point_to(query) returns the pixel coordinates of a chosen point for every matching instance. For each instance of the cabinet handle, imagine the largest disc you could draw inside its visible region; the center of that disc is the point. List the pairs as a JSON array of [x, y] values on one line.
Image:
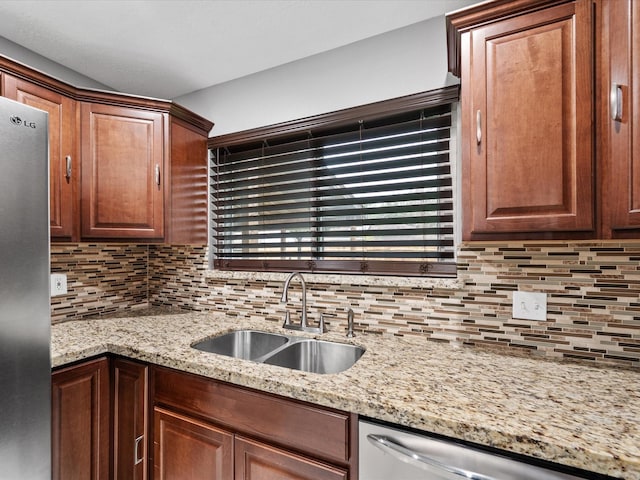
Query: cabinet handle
[[157, 174], [615, 99], [68, 172], [136, 448], [479, 127]]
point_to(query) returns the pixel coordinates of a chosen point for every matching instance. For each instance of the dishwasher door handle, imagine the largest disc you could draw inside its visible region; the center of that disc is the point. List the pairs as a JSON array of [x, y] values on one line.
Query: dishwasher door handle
[[399, 451]]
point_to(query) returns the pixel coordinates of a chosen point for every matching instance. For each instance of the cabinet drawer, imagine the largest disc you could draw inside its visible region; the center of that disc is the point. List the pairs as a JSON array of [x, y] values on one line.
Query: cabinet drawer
[[317, 431]]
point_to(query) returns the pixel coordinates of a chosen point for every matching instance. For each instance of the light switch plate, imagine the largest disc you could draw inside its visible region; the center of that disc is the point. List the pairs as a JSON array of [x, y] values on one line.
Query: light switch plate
[[530, 305], [58, 284]]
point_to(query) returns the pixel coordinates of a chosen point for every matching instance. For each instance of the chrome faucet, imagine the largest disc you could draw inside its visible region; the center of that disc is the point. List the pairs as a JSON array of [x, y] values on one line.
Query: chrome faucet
[[287, 319], [303, 326]]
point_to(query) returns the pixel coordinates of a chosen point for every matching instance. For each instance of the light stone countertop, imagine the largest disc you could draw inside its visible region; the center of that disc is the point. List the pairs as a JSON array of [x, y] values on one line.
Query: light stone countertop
[[569, 413]]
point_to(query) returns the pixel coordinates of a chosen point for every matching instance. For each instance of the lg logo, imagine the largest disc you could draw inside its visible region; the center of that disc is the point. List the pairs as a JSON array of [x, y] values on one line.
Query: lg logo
[[16, 120]]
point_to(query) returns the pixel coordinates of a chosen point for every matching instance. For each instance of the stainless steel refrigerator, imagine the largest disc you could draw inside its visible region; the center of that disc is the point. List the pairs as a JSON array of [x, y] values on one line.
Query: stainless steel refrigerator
[[25, 327]]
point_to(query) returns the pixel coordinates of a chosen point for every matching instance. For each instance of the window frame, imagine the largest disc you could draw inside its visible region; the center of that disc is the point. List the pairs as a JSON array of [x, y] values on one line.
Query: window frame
[[334, 120]]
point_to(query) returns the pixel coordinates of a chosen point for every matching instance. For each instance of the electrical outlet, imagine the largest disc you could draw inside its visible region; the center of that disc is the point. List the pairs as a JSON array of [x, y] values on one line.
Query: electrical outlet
[[58, 284], [530, 305]]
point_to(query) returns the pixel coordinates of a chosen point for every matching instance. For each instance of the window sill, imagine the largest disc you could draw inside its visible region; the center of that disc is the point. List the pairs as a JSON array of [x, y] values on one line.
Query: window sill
[[339, 279]]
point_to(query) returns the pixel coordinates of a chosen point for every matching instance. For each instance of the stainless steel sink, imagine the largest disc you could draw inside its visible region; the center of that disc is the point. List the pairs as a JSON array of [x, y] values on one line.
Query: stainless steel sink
[[245, 344], [299, 353], [317, 356]]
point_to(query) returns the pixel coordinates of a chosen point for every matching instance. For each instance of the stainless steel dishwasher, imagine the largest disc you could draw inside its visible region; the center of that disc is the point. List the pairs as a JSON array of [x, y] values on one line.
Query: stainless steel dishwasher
[[392, 454]]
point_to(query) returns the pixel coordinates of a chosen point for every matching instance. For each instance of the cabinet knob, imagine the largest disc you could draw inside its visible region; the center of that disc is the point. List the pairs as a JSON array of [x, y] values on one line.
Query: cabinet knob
[[157, 174], [615, 99], [479, 127]]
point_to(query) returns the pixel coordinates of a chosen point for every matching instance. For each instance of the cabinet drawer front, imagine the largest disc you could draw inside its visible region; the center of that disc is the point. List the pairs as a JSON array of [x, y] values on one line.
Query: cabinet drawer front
[[316, 431]]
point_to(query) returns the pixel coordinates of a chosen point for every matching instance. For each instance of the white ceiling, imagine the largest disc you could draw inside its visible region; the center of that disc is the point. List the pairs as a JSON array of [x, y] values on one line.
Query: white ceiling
[[167, 48]]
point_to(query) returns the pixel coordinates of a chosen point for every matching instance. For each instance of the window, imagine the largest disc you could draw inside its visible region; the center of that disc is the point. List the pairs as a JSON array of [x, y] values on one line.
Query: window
[[370, 192]]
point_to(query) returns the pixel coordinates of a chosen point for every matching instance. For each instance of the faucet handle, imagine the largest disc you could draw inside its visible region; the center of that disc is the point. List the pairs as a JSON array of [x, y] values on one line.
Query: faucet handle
[[287, 318], [322, 327]]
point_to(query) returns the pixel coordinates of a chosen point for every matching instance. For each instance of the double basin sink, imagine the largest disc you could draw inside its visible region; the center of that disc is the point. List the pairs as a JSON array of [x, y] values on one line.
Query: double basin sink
[[299, 353]]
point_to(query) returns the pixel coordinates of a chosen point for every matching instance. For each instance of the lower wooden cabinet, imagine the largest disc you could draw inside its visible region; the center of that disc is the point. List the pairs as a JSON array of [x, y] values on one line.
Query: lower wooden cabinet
[[188, 449], [130, 420], [198, 429], [259, 461], [80, 422], [273, 438]]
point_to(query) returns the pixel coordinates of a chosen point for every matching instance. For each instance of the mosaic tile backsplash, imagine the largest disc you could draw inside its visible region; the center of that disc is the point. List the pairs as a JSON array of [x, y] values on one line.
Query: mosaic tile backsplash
[[101, 279], [593, 295]]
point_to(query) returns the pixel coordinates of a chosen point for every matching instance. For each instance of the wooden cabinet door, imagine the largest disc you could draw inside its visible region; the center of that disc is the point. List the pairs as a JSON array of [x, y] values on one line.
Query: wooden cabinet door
[[527, 123], [258, 461], [620, 105], [130, 413], [188, 449], [63, 162], [122, 172], [189, 201], [80, 422]]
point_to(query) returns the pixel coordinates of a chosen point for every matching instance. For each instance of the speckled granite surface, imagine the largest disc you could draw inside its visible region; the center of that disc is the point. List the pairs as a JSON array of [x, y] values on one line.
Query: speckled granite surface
[[571, 414]]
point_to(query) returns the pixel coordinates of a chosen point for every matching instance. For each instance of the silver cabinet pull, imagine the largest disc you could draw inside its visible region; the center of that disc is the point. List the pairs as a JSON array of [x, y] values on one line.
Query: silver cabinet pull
[[478, 127], [388, 445], [136, 448], [157, 174], [68, 171], [615, 99]]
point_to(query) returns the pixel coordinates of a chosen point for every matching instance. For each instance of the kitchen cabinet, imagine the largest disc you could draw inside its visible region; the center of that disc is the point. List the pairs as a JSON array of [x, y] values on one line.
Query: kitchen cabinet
[[188, 179], [123, 168], [80, 438], [187, 448], [619, 99], [63, 156], [122, 172], [130, 419], [258, 461], [272, 437], [526, 72]]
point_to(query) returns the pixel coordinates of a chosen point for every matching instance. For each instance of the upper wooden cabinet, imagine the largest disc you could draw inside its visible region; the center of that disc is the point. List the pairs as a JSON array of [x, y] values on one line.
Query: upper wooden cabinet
[[63, 156], [122, 167], [188, 178], [619, 101], [122, 172], [527, 115]]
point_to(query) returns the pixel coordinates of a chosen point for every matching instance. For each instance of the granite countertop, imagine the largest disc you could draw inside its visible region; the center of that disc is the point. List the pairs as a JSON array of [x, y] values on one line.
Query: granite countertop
[[569, 413]]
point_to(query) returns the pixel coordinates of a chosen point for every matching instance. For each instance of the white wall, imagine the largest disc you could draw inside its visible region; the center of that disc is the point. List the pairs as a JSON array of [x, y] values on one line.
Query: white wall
[[51, 68], [401, 62]]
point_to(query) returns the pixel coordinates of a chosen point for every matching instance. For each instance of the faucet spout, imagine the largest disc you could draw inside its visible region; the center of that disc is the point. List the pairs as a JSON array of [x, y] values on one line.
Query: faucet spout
[[285, 297]]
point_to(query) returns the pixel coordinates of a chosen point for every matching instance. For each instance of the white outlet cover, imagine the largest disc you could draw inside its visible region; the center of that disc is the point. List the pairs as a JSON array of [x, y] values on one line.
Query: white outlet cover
[[58, 284], [530, 305]]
